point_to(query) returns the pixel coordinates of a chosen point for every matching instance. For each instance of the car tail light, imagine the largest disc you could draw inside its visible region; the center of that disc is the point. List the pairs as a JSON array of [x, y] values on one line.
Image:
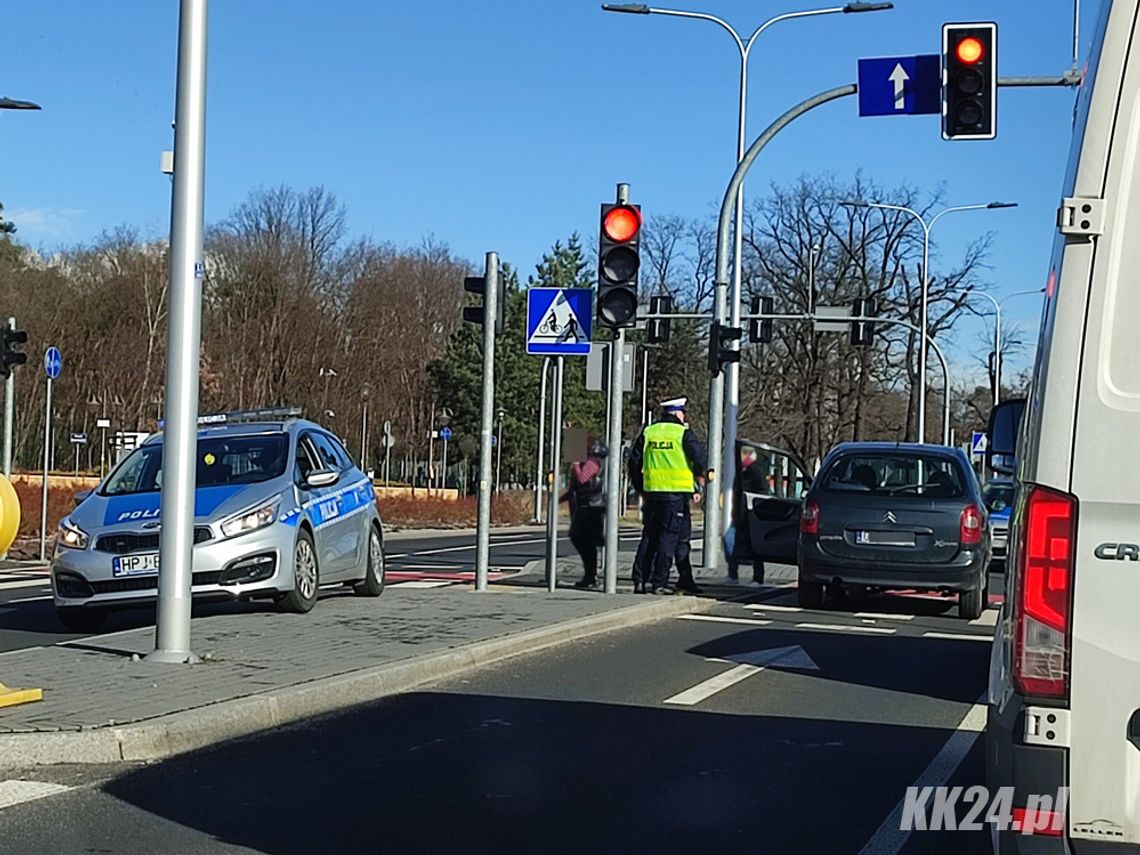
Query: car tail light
[[809, 518], [1044, 588], [970, 526]]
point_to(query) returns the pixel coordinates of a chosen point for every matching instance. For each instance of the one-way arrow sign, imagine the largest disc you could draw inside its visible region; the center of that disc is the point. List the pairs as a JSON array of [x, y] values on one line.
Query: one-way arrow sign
[[753, 662], [900, 85]]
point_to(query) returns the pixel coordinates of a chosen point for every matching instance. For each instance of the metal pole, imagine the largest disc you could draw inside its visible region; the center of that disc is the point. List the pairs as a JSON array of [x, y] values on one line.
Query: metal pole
[[486, 424], [712, 525], [539, 481], [431, 451], [364, 436], [499, 456], [645, 387], [44, 485], [387, 459], [443, 468], [77, 460], [187, 269], [922, 335], [997, 354], [555, 468], [613, 462], [9, 413], [102, 452]]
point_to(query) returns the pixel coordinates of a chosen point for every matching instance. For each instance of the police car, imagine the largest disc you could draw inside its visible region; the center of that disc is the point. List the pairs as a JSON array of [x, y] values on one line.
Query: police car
[[280, 510]]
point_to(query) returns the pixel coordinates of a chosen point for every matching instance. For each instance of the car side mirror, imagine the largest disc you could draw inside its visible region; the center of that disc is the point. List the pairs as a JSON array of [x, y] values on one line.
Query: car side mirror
[[81, 496], [322, 478], [1001, 436]]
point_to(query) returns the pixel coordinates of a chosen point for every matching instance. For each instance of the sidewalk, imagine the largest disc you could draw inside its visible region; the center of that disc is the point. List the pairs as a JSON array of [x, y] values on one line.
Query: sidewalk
[[570, 571], [262, 669]]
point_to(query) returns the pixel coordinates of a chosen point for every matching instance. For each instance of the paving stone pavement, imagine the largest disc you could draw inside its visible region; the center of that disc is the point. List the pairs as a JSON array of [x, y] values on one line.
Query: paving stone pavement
[[100, 681]]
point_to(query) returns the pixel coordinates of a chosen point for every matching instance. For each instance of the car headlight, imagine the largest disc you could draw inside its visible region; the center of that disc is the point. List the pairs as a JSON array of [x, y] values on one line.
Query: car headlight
[[71, 535], [251, 520]]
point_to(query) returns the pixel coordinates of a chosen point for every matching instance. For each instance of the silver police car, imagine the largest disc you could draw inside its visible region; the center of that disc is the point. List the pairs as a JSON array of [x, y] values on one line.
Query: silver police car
[[280, 510]]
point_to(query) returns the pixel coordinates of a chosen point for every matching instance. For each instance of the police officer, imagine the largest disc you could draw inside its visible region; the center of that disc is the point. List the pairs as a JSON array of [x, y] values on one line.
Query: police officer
[[666, 462]]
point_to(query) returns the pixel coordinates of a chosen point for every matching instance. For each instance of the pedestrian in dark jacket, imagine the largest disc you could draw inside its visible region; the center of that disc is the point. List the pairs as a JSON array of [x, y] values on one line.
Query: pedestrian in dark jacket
[[587, 498]]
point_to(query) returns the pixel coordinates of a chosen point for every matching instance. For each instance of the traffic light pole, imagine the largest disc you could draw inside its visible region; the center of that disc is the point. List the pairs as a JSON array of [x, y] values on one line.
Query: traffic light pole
[[9, 413], [487, 422], [187, 270]]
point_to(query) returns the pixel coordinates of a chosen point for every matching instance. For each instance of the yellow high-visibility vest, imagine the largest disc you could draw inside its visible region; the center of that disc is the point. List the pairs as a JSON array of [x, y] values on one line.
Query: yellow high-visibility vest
[[665, 468]]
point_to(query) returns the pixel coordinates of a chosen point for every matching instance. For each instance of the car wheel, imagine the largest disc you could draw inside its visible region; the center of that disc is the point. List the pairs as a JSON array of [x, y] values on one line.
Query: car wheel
[[809, 594], [373, 583], [81, 619], [971, 603], [306, 577]]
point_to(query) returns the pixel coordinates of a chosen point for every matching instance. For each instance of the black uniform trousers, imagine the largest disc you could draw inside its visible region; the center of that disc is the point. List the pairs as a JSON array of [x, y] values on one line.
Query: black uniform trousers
[[668, 528]]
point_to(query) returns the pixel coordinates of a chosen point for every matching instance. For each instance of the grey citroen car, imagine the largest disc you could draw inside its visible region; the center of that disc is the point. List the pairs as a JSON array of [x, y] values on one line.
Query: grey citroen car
[[280, 510], [895, 516]]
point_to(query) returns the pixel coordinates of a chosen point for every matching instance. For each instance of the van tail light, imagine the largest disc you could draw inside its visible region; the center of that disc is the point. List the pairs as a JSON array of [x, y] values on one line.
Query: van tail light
[[970, 526], [1043, 606], [809, 518]]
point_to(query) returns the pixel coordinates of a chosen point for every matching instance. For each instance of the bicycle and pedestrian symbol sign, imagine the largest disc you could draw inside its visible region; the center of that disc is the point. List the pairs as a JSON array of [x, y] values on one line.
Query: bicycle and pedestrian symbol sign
[[558, 321]]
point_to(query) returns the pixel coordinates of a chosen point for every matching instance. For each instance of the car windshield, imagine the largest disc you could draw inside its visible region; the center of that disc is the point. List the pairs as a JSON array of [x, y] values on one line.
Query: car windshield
[[221, 460], [997, 495], [896, 475]]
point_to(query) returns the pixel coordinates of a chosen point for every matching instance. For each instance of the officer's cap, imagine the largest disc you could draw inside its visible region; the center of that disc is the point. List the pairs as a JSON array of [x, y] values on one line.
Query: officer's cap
[[674, 404]]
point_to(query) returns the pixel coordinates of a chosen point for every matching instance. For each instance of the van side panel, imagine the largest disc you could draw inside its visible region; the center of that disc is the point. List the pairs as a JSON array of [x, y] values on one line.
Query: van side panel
[[1105, 660]]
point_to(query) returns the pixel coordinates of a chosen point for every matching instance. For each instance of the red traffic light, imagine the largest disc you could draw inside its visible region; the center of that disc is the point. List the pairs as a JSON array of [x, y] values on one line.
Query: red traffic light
[[621, 224], [970, 50]]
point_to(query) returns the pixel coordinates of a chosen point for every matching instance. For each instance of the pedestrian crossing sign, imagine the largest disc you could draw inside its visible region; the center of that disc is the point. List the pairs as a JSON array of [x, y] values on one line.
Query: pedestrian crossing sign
[[558, 321]]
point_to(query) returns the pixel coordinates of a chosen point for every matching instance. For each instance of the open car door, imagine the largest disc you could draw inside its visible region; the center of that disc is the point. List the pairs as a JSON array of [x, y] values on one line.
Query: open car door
[[769, 490]]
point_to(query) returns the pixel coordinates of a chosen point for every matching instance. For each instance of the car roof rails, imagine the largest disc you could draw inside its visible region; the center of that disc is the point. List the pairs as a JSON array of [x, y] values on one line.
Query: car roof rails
[[265, 414]]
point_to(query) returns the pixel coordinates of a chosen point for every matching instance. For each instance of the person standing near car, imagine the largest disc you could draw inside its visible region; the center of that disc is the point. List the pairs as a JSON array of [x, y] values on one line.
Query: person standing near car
[[666, 465], [587, 498]]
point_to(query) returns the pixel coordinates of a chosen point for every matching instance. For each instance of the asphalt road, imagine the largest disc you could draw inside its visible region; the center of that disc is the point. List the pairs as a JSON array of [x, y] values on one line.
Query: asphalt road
[[27, 617], [669, 738]]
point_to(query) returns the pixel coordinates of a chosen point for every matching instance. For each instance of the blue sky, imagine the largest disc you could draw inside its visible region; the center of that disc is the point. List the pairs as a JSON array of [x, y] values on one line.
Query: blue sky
[[501, 125]]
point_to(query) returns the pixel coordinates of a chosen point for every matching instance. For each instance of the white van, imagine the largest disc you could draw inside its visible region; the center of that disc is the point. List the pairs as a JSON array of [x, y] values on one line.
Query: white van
[[1064, 689]]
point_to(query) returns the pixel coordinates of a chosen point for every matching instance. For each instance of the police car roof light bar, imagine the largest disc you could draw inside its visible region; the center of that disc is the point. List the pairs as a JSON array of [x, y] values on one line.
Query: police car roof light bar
[[266, 414]]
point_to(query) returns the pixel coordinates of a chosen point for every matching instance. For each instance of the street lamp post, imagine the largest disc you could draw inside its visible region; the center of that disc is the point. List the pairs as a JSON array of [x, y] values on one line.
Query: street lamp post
[[10, 383], [927, 227], [997, 330], [722, 434]]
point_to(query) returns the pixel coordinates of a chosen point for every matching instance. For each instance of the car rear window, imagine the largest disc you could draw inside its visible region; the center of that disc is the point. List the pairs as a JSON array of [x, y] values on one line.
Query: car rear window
[[998, 495], [896, 475], [221, 460]]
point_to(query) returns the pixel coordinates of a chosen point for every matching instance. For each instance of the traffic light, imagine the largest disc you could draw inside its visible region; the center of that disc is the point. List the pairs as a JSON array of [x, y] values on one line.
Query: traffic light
[[619, 258], [657, 330], [478, 285], [863, 332], [760, 329], [10, 357], [721, 337], [969, 81]]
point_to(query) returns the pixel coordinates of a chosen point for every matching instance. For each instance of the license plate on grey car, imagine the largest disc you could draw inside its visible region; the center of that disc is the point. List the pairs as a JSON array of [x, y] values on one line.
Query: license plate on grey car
[[884, 538], [135, 565]]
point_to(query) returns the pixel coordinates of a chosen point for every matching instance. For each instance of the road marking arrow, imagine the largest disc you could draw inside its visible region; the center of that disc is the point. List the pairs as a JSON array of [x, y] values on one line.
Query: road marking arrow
[[749, 663], [899, 77]]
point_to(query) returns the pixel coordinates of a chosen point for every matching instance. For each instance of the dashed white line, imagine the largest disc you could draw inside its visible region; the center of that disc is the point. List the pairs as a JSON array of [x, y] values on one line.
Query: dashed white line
[[883, 616], [25, 583], [720, 619], [890, 837], [989, 618], [768, 607], [957, 636], [840, 627], [421, 583], [18, 792]]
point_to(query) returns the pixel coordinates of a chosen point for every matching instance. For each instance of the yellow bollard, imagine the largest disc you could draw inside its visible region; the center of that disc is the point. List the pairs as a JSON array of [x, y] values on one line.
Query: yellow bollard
[[12, 697], [9, 514]]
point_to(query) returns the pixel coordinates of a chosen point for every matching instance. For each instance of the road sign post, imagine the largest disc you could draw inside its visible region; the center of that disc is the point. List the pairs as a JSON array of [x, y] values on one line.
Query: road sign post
[[553, 478], [486, 425], [184, 322], [53, 364], [444, 434], [9, 412], [387, 452]]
